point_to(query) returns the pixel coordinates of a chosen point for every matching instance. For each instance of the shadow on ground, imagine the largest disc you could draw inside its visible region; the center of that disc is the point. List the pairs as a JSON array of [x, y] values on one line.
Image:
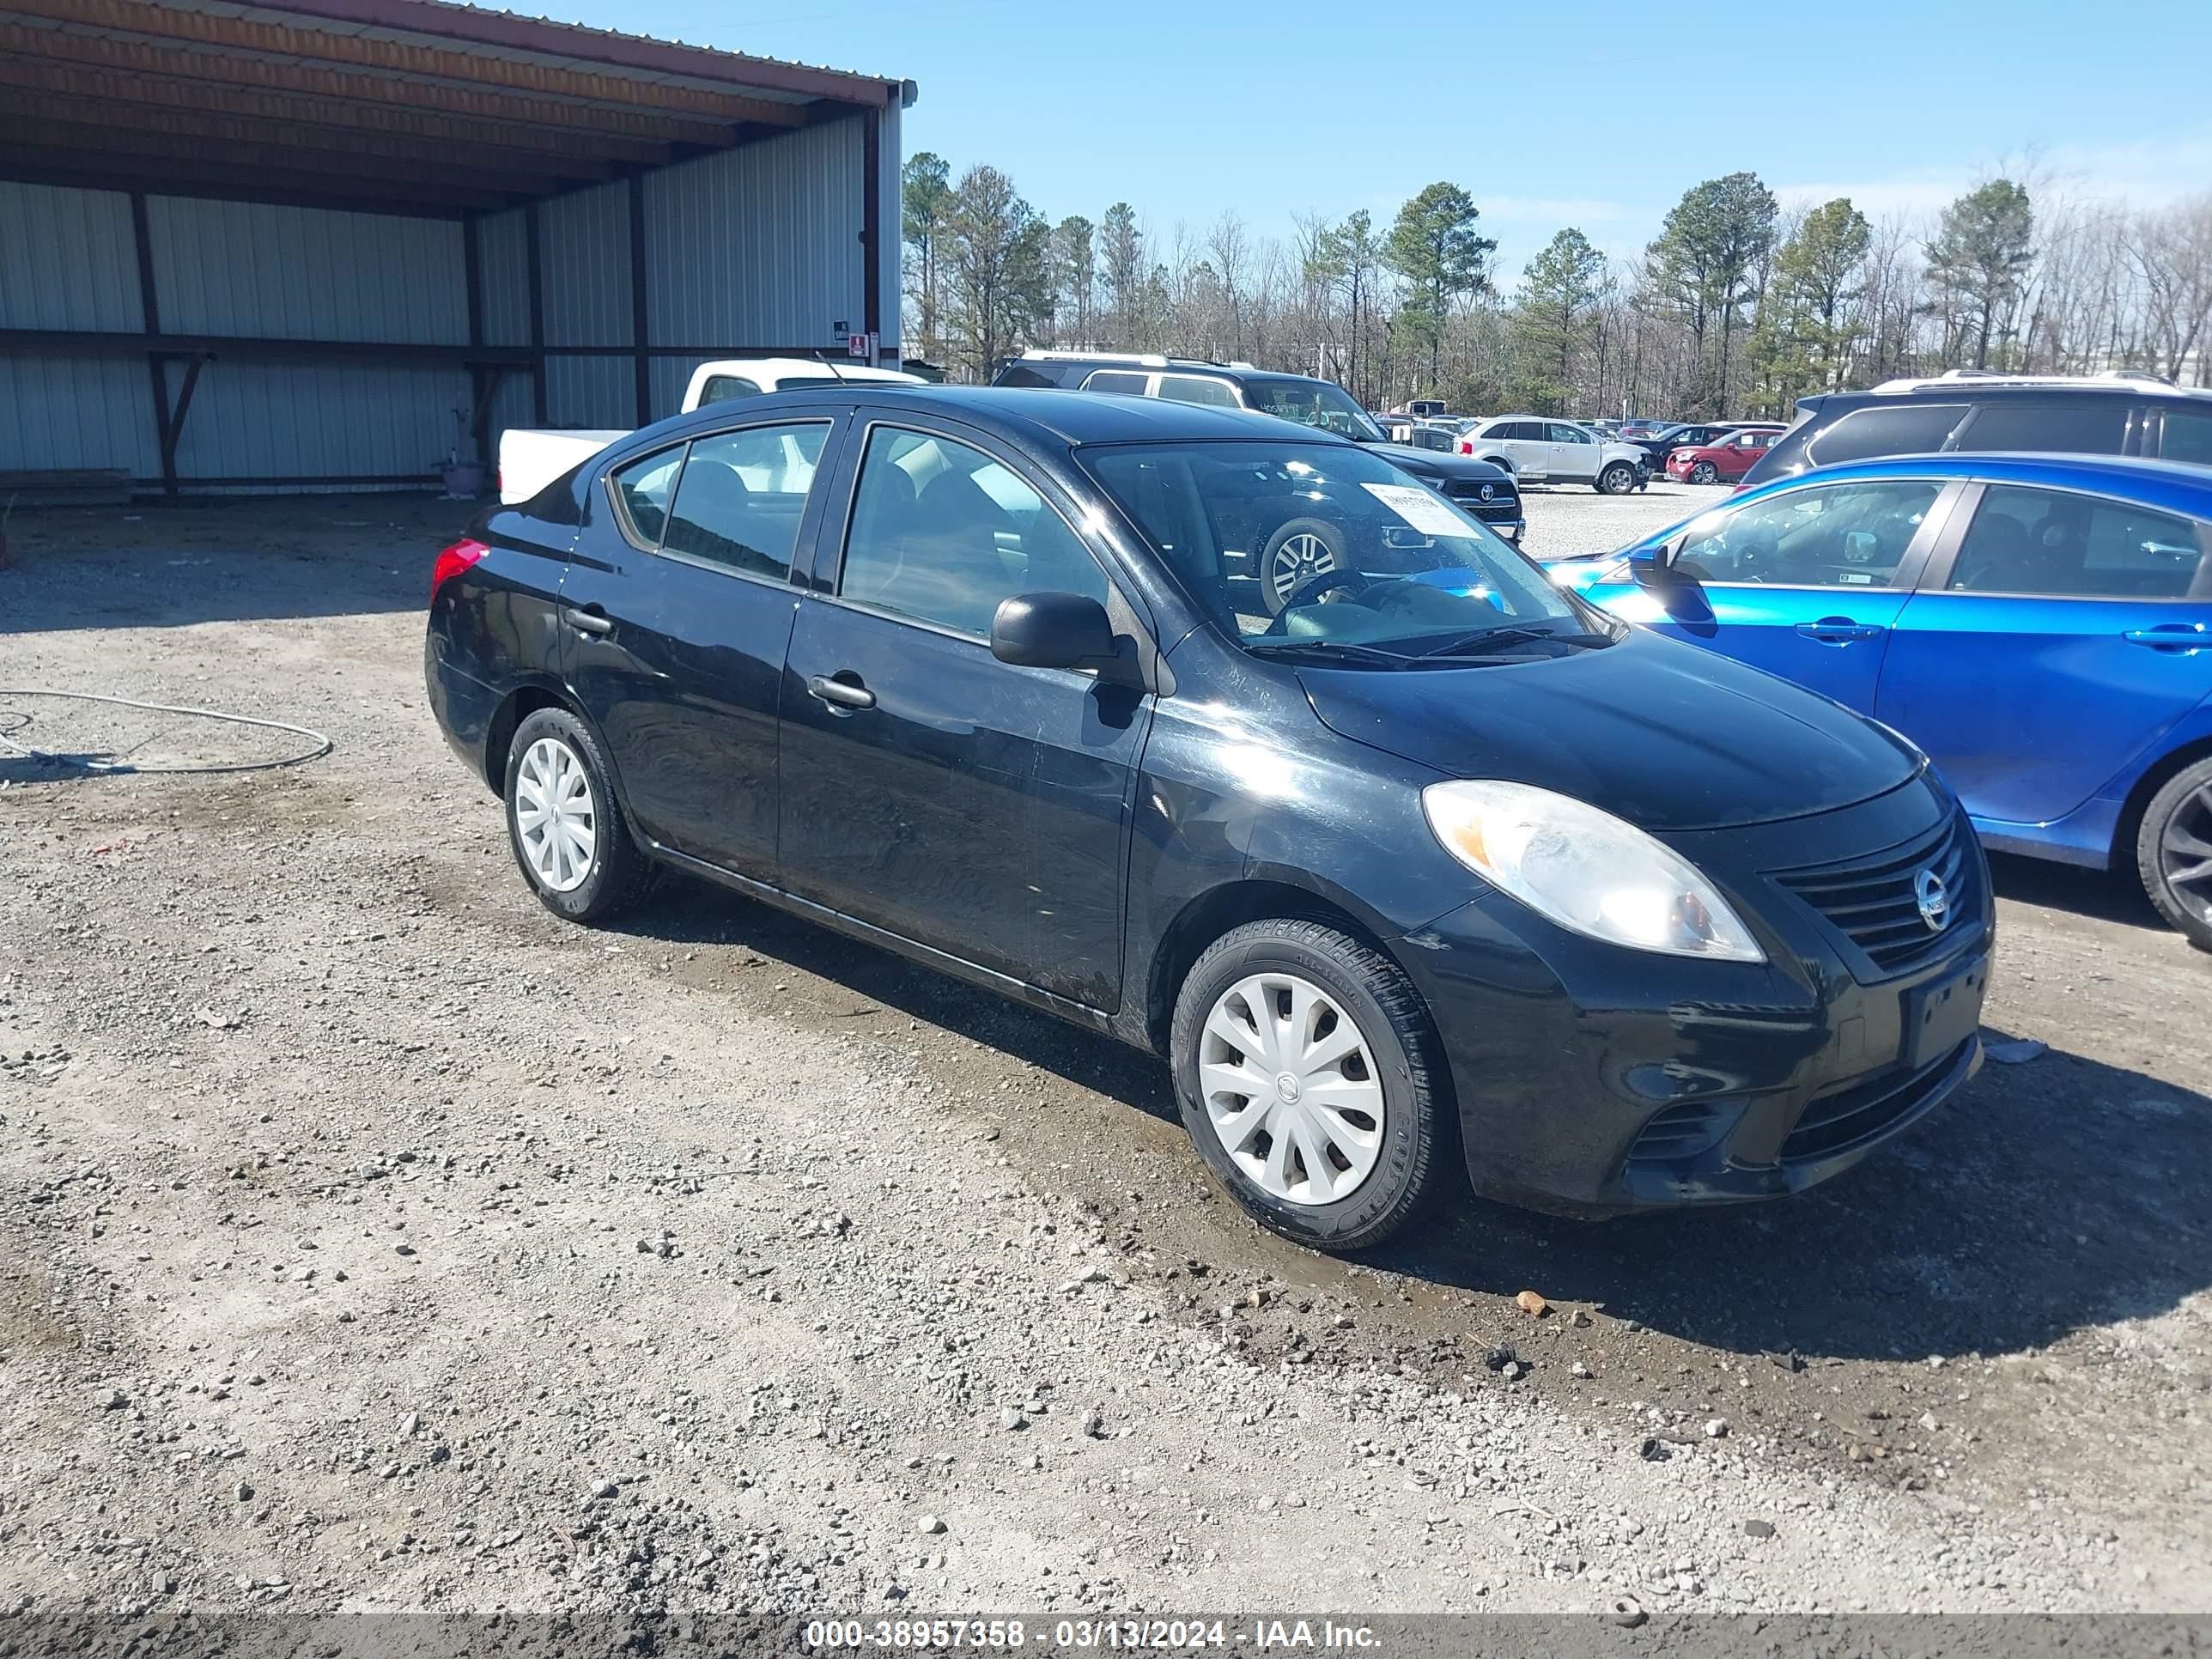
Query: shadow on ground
[[2046, 1197], [167, 565], [2104, 894]]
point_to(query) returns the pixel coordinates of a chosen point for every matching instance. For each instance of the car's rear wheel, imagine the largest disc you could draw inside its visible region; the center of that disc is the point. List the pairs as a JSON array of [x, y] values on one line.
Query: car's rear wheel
[[2173, 852], [1617, 479], [1301, 551], [565, 823], [1704, 472], [1310, 1078]]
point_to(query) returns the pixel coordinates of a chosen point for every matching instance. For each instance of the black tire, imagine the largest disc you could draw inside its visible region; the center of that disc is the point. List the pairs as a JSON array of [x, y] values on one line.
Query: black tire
[[618, 872], [1618, 479], [1419, 1127], [1704, 472], [1326, 553], [2176, 822]]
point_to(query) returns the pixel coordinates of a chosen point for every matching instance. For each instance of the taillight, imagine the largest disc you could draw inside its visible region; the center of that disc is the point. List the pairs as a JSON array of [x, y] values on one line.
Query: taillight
[[454, 560], [1466, 446]]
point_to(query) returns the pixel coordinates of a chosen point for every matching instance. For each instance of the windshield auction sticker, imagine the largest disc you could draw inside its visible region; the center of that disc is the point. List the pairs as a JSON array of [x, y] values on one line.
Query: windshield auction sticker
[[1419, 509]]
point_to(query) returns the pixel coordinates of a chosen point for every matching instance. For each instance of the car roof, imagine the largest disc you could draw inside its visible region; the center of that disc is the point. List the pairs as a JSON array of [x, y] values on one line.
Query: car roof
[[2178, 486], [1975, 389], [1075, 418]]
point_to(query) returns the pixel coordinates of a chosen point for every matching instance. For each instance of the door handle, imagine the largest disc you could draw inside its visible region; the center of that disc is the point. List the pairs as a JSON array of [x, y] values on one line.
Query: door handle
[[1838, 630], [2185, 637], [587, 621], [840, 693]]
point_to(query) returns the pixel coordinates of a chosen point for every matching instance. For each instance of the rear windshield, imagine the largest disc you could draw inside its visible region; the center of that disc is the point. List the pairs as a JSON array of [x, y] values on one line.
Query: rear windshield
[[1313, 403], [1293, 545]]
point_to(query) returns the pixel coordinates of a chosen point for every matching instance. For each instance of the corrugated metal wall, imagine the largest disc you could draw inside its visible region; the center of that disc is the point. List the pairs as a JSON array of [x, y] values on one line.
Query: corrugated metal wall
[[750, 249], [762, 243], [302, 273]]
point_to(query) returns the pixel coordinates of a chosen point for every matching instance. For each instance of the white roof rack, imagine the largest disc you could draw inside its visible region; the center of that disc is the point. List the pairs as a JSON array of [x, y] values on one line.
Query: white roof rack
[[1951, 377], [1142, 359]]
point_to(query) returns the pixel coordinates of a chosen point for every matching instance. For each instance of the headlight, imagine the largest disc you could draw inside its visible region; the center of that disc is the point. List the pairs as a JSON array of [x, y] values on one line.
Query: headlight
[[1586, 870]]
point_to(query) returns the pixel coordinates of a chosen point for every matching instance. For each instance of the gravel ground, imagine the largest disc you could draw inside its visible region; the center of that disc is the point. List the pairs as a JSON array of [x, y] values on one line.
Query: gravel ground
[[374, 1241]]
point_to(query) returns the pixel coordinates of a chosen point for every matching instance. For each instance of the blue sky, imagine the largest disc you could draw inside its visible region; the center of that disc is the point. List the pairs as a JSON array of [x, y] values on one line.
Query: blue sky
[[1549, 115]]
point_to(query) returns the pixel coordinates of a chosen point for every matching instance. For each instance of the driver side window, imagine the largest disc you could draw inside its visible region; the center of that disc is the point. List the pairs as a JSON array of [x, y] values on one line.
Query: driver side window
[[1851, 535]]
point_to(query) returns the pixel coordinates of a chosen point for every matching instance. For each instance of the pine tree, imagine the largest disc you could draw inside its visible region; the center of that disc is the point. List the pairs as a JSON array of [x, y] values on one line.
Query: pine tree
[[1981, 257], [1434, 246], [1558, 295]]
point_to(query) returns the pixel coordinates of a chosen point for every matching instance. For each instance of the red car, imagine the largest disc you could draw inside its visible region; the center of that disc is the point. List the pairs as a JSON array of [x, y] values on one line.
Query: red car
[[1725, 460]]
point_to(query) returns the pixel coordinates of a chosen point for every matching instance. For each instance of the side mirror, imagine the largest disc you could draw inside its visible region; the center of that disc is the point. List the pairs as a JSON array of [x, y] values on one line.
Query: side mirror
[[1055, 631], [1650, 565]]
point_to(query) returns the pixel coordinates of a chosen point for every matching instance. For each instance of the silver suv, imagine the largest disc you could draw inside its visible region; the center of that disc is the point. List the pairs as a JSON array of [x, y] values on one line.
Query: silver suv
[[1536, 449]]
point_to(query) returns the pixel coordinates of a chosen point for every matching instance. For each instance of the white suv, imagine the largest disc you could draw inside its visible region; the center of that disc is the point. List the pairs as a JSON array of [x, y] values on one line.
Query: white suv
[[1536, 449]]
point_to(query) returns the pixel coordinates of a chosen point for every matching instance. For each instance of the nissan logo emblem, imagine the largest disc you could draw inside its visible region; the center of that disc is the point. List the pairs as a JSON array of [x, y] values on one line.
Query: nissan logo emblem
[[1935, 902]]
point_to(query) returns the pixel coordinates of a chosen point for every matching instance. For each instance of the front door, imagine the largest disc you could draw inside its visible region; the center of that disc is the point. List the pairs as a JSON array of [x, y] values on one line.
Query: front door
[[929, 789], [679, 605], [1573, 455], [1806, 584], [2057, 642]]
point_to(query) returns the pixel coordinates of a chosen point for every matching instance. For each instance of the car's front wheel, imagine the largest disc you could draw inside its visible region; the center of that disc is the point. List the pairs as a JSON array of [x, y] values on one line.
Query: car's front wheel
[[1311, 1080], [1617, 479], [1704, 472], [2173, 852], [563, 823]]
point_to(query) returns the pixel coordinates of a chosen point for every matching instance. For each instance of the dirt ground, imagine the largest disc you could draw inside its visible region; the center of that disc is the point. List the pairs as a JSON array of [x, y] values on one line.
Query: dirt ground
[[373, 1240]]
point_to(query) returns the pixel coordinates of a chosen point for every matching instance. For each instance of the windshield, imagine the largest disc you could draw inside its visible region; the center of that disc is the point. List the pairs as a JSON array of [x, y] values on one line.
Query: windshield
[[1313, 403], [1326, 550]]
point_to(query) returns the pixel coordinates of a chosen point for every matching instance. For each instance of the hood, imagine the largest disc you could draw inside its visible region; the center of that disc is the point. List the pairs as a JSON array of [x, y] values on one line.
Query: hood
[[1436, 463], [1666, 735]]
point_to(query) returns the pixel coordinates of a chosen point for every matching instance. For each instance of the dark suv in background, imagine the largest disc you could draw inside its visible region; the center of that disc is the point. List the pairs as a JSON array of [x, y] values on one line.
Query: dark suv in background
[[2121, 413], [1487, 491]]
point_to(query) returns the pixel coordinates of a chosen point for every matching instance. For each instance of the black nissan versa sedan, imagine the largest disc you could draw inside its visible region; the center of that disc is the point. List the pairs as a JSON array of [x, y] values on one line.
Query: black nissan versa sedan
[[1433, 863]]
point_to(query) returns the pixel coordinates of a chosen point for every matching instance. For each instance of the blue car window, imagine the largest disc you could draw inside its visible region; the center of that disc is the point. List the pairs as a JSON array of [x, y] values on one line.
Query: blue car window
[[1843, 535], [2051, 542]]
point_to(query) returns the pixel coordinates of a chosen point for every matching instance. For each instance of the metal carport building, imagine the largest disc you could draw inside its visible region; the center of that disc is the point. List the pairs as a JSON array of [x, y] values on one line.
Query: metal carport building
[[321, 245]]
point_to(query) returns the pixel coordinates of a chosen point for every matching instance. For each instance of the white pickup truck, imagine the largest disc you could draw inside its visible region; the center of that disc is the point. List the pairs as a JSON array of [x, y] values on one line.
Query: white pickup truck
[[529, 459]]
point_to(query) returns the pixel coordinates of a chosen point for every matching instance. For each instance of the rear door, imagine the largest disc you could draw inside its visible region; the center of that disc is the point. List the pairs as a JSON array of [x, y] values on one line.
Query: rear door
[[2055, 639], [929, 789], [678, 610], [1806, 584]]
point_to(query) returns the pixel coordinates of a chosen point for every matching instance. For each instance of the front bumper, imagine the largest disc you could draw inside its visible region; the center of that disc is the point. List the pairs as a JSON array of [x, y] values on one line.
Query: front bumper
[[1593, 1080]]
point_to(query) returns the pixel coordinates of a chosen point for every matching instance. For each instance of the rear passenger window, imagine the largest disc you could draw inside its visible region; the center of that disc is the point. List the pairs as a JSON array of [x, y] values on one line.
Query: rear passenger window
[[741, 497], [943, 532], [1115, 379], [2074, 426], [1195, 389], [726, 388], [2047, 542], [645, 487], [1903, 429], [2188, 436]]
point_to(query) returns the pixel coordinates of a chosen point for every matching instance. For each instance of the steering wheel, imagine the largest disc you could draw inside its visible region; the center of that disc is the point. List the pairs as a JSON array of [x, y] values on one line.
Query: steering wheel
[[1324, 582]]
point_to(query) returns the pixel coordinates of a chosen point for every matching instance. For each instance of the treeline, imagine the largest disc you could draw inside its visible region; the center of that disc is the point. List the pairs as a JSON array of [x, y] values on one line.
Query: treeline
[[1738, 308]]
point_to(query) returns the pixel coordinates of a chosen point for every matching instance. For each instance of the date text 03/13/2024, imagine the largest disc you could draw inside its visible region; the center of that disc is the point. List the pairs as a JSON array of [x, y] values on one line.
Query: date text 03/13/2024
[[940, 1635]]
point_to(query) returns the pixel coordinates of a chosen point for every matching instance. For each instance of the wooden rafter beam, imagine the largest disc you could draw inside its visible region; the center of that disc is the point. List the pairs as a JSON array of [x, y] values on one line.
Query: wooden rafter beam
[[106, 90], [31, 42], [234, 34], [231, 143]]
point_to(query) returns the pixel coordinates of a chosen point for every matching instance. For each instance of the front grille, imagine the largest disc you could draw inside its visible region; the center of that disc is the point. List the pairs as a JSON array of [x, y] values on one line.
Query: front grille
[[1504, 501], [1860, 1112], [1875, 902]]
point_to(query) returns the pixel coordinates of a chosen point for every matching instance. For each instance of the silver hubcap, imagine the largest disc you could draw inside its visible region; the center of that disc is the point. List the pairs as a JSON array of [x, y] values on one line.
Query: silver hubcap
[[555, 816], [2185, 852], [1290, 1089], [1297, 561]]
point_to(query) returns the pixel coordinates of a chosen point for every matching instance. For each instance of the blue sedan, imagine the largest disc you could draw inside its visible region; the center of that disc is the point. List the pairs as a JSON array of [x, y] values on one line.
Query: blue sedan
[[2040, 624]]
